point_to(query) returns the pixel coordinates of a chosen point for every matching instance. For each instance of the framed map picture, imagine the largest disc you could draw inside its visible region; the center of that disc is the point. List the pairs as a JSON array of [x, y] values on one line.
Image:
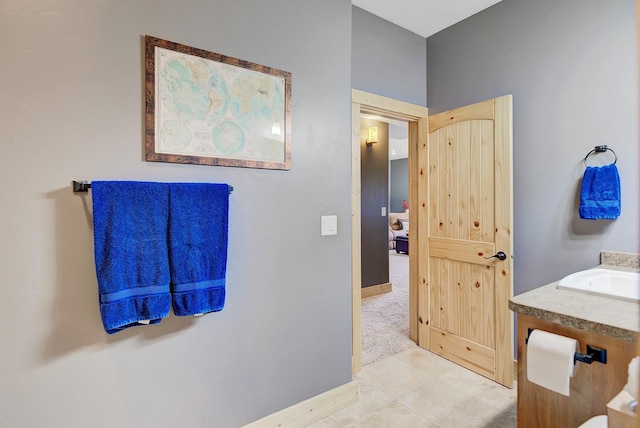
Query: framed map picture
[[211, 109]]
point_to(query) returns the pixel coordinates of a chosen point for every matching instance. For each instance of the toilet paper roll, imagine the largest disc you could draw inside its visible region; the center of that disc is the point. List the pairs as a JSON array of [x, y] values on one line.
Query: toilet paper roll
[[632, 377], [550, 360]]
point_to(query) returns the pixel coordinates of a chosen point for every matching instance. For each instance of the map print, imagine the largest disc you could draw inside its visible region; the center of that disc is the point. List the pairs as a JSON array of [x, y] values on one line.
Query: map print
[[212, 109]]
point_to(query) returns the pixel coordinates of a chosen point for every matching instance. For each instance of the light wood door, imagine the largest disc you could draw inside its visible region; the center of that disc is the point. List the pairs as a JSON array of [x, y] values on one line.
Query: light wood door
[[466, 195]]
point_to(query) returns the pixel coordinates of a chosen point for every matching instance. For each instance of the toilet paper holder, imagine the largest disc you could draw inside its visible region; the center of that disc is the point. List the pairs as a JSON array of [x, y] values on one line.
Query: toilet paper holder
[[599, 355]]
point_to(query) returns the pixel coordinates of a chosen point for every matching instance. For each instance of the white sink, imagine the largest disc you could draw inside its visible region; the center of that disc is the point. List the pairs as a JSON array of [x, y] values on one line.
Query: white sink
[[616, 284]]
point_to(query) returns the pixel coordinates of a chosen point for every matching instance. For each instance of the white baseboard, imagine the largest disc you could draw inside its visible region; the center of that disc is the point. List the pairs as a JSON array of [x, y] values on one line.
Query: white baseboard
[[311, 410]]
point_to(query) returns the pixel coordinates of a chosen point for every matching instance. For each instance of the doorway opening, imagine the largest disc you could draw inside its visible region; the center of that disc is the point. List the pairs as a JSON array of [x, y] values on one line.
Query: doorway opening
[[416, 118], [385, 229]]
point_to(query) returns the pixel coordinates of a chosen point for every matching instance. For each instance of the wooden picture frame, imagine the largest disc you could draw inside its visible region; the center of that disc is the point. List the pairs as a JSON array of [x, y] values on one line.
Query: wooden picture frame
[[211, 109]]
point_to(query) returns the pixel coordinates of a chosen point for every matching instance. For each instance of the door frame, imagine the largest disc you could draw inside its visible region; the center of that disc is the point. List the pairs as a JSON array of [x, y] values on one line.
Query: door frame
[[418, 122]]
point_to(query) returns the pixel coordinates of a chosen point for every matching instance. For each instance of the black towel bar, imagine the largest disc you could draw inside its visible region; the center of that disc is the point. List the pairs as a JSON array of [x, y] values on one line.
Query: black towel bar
[[81, 186], [600, 149], [84, 186]]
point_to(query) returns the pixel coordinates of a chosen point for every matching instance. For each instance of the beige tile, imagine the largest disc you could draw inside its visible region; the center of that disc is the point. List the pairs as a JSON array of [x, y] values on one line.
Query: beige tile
[[393, 415], [505, 417], [393, 376], [451, 404], [454, 374], [369, 399], [327, 422], [479, 386], [492, 392], [427, 361], [416, 388]]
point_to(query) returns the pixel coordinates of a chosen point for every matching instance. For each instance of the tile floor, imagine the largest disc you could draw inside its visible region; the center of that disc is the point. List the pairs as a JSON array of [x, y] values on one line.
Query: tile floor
[[416, 389]]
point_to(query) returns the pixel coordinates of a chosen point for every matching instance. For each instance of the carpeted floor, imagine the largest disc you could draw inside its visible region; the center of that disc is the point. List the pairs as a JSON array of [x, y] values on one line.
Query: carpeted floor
[[385, 317]]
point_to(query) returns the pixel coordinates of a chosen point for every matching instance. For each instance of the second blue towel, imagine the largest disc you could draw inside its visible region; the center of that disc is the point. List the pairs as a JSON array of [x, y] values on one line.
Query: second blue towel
[[198, 228]]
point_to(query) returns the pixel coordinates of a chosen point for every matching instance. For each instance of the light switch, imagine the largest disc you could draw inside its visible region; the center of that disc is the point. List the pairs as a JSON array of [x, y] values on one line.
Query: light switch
[[383, 211], [328, 225]]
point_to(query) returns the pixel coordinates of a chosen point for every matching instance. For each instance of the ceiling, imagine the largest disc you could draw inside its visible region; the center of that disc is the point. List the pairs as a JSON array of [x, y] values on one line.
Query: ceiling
[[424, 17]]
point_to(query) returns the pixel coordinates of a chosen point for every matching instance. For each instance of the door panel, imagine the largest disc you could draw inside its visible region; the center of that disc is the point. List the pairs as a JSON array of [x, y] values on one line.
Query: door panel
[[462, 351], [469, 218], [464, 250]]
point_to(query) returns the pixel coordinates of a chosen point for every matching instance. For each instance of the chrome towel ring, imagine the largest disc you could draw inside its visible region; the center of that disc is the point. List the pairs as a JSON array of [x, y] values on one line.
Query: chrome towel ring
[[600, 149]]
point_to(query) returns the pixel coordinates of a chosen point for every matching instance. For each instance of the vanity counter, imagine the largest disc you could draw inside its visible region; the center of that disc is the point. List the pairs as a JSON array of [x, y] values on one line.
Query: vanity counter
[[606, 316]]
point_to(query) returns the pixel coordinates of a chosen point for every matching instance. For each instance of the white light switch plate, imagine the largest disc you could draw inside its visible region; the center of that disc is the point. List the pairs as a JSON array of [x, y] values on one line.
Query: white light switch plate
[[328, 225], [383, 211]]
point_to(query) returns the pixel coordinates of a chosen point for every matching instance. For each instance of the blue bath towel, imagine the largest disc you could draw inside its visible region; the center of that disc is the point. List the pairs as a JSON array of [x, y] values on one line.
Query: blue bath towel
[[130, 242], [600, 193], [198, 228]]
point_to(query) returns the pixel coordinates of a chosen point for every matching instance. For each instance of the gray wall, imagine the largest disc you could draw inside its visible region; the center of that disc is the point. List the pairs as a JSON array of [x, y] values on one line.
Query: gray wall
[[374, 194], [398, 184], [571, 66], [388, 60], [71, 107]]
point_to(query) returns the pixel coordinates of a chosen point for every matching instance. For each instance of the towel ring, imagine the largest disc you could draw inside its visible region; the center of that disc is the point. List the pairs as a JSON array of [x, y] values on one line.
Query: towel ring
[[600, 149]]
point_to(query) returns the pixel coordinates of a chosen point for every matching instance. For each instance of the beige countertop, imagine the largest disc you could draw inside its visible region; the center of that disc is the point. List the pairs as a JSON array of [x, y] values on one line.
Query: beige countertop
[[609, 317]]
